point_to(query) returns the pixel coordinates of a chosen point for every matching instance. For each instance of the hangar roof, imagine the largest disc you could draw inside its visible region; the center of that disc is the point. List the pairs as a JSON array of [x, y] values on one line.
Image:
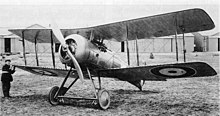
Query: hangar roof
[[216, 34], [4, 31], [36, 26]]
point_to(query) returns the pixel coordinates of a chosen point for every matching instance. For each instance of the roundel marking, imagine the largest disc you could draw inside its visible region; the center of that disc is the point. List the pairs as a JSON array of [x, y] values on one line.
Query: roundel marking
[[173, 71], [44, 72]]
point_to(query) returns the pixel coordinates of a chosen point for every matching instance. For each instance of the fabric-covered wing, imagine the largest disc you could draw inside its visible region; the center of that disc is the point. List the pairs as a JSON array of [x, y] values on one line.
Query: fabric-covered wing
[[45, 35], [41, 35], [160, 72], [191, 20], [47, 71]]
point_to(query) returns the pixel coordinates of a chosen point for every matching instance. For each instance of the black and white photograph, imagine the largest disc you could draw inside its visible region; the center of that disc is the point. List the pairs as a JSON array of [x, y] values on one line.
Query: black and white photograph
[[109, 58]]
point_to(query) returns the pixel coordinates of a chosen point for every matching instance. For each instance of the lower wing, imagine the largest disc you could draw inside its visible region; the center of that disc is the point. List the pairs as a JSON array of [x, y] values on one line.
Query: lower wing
[[134, 75], [160, 72], [57, 72]]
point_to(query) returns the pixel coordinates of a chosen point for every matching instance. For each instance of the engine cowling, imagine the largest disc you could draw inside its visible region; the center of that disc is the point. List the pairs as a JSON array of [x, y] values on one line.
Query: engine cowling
[[77, 45]]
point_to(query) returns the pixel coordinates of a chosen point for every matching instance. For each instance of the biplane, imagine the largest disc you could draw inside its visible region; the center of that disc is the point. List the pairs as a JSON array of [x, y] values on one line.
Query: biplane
[[83, 50]]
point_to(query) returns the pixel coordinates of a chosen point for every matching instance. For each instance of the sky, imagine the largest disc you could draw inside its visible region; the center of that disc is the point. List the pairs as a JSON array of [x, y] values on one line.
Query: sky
[[84, 13]]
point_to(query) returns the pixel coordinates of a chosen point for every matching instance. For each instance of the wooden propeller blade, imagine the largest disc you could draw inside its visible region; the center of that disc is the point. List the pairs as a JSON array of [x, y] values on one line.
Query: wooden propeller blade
[[76, 64]]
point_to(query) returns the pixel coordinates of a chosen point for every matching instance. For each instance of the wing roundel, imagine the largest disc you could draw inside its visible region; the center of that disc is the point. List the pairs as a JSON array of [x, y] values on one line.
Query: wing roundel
[[160, 72]]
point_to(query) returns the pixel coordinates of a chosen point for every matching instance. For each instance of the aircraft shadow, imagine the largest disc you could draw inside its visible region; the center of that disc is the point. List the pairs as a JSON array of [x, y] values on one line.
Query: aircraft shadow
[[118, 97], [28, 97], [144, 92], [42, 99]]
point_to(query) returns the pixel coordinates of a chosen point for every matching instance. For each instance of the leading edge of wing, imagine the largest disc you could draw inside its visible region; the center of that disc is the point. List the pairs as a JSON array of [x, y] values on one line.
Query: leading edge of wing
[[160, 72], [46, 71]]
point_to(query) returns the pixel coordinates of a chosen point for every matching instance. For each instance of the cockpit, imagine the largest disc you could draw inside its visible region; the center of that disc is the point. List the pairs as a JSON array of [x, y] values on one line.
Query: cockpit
[[99, 43]]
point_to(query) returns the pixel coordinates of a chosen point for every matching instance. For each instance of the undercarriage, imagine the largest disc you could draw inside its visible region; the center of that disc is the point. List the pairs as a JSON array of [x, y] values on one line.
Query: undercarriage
[[101, 96]]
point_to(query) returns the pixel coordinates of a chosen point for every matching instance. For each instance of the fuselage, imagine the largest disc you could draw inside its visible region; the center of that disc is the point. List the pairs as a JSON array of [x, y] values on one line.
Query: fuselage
[[90, 53]]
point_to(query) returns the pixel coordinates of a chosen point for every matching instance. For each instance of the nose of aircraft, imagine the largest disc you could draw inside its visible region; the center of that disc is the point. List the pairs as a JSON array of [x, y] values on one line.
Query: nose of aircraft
[[61, 39]]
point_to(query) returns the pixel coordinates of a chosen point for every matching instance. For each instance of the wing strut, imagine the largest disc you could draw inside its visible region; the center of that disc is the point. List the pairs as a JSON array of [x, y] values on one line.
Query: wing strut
[[35, 46], [184, 47], [23, 44], [176, 38], [91, 36], [128, 56], [52, 50], [137, 50]]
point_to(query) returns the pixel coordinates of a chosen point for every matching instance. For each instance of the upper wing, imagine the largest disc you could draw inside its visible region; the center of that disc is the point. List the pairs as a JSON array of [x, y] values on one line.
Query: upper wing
[[41, 35], [191, 20], [160, 72]]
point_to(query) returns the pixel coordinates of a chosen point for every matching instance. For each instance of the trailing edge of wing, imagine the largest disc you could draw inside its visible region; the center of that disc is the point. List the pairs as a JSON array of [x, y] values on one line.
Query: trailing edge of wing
[[192, 20], [160, 72]]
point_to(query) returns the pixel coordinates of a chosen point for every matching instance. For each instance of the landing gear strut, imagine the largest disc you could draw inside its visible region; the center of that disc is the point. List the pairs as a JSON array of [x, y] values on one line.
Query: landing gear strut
[[102, 96]]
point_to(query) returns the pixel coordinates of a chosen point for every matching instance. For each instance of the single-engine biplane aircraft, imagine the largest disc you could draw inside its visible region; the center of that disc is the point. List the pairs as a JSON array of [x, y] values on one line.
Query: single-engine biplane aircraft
[[83, 50]]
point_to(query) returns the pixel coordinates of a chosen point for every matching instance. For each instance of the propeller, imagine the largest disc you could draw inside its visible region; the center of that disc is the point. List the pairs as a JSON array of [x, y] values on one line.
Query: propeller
[[61, 39]]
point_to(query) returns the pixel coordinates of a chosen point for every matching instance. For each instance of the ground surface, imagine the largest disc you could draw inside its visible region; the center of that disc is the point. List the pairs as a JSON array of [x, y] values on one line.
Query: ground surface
[[190, 96]]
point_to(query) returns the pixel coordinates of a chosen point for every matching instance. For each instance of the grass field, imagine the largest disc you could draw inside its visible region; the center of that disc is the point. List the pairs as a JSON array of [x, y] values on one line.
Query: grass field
[[190, 96]]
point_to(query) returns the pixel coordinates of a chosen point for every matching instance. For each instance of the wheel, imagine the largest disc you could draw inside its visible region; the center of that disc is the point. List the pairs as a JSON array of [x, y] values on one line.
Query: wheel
[[103, 99], [52, 93]]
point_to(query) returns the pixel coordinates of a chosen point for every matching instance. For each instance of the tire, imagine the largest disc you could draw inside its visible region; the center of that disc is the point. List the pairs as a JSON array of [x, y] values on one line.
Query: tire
[[103, 99], [53, 101]]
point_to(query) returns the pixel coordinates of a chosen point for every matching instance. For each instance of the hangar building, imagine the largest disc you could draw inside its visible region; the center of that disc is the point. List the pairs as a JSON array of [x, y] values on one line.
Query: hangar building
[[11, 44], [160, 45], [214, 42], [207, 43]]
